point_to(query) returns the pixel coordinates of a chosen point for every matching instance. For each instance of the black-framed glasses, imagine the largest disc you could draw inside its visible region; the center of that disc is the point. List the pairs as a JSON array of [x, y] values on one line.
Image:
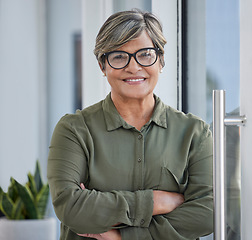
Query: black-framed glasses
[[144, 57]]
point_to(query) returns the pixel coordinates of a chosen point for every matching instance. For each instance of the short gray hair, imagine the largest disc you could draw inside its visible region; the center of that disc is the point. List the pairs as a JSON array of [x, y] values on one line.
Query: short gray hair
[[125, 26]]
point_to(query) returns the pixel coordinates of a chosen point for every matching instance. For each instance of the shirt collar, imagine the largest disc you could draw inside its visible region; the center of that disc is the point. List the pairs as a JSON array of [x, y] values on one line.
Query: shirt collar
[[114, 120], [159, 115]]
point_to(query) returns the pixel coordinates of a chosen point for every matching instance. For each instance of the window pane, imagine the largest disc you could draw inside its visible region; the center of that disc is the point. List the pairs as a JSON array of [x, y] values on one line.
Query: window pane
[[212, 61]]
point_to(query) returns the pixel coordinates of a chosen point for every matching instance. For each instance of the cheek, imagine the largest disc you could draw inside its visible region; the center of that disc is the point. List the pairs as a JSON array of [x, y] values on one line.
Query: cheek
[[110, 72], [112, 75], [155, 72]]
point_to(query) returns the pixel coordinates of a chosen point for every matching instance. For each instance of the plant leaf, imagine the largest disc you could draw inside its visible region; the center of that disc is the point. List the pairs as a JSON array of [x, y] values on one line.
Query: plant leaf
[[12, 191], [18, 209], [1, 198], [1, 192], [42, 199], [28, 200], [32, 185], [37, 177], [6, 205]]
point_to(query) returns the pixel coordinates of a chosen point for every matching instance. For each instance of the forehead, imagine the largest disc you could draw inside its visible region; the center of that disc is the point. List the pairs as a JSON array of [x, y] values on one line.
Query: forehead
[[142, 41]]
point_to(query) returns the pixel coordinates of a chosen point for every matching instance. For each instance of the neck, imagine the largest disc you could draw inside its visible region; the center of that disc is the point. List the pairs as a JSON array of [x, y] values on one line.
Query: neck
[[135, 112]]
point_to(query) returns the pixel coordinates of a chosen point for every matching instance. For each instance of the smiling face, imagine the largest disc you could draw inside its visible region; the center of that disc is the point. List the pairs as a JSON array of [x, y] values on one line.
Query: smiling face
[[134, 81]]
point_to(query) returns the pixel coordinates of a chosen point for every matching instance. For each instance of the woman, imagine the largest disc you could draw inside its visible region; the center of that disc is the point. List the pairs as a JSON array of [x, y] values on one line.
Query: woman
[[130, 167]]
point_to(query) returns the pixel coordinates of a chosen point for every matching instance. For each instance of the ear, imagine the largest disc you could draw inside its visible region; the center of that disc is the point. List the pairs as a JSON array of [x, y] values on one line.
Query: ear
[[162, 61], [102, 68]]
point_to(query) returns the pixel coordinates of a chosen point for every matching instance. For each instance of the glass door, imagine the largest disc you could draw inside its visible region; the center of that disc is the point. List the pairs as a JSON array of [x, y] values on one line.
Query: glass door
[[211, 55], [217, 55]]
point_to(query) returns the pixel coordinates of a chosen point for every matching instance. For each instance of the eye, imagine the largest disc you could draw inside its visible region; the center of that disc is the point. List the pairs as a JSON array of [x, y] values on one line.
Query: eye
[[118, 57], [148, 53], [145, 54]]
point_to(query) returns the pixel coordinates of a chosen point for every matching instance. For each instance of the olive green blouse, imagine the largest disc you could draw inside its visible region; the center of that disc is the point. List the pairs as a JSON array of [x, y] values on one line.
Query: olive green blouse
[[120, 166]]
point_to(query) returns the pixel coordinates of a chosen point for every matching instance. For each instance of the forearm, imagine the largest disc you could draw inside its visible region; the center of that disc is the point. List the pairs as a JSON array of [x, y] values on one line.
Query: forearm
[[189, 221], [165, 202], [194, 218], [88, 210], [91, 211]]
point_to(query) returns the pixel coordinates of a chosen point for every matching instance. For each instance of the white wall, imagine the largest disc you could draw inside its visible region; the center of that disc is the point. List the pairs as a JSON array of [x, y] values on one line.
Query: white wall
[[63, 21], [21, 101], [167, 87], [95, 87]]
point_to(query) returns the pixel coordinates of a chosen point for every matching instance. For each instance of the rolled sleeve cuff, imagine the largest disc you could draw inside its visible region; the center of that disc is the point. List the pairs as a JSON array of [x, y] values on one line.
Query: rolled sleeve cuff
[[144, 208]]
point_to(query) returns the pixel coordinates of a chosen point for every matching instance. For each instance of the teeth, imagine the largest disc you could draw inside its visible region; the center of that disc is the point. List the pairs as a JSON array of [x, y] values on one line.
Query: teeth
[[135, 80]]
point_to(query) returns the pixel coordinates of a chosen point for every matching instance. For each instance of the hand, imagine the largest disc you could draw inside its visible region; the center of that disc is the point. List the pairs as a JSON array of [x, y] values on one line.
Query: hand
[[165, 202], [110, 235]]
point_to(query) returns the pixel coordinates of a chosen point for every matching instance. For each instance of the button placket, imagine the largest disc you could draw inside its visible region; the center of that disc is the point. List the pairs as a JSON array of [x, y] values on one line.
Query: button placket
[[140, 137], [140, 160]]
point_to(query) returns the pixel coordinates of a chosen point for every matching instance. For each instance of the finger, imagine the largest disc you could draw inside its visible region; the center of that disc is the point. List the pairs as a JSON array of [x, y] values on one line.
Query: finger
[[82, 235], [82, 186], [86, 235]]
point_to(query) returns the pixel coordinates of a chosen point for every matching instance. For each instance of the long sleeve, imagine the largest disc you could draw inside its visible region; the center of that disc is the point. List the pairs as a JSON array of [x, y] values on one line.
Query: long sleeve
[[194, 218], [89, 211]]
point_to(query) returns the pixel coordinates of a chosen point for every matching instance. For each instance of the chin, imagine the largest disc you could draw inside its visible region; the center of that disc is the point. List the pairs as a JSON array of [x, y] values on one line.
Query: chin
[[139, 96]]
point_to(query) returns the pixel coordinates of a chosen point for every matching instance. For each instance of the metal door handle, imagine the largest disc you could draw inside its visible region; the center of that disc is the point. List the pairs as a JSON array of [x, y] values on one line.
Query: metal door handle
[[219, 170]]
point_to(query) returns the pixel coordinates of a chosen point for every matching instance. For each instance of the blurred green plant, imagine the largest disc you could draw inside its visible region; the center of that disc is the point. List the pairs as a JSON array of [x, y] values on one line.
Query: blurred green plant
[[27, 201]]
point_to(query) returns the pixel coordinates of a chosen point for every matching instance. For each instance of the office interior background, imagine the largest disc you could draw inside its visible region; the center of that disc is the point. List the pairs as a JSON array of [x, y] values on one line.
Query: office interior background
[[48, 69]]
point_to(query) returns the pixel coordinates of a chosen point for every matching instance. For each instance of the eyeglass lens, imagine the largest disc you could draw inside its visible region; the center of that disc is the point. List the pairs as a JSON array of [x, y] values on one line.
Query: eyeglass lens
[[145, 57]]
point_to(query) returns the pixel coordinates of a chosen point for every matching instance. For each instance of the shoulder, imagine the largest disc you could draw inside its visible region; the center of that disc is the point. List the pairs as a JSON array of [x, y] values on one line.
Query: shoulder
[[81, 117], [187, 124], [176, 118], [191, 128], [179, 115]]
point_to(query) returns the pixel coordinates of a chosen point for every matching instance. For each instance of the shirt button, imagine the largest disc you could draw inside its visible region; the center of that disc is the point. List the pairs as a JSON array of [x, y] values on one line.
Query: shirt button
[[139, 137], [139, 160], [142, 222]]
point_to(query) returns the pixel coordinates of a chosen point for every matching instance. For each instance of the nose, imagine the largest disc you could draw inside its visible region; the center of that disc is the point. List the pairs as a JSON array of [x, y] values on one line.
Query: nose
[[133, 66]]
